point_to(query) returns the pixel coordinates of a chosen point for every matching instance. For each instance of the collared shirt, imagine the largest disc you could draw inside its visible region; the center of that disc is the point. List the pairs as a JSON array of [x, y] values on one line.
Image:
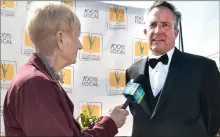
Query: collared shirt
[[159, 73]]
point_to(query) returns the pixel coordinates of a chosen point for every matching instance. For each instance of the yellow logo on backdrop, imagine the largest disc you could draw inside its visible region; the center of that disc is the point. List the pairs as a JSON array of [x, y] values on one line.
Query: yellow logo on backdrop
[[92, 46], [117, 79], [66, 73], [7, 71], [141, 48], [116, 14], [67, 78], [91, 43], [92, 109], [8, 3], [69, 3], [27, 47], [27, 40], [116, 17]]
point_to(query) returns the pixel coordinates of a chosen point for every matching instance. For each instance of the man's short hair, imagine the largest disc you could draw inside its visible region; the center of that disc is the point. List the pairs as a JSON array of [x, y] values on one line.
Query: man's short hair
[[177, 14], [46, 21]]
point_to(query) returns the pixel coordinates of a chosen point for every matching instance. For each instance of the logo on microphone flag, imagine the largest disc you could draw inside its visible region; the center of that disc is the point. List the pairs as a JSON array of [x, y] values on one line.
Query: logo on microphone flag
[[67, 73], [139, 94], [8, 70], [130, 88], [135, 90], [116, 82]]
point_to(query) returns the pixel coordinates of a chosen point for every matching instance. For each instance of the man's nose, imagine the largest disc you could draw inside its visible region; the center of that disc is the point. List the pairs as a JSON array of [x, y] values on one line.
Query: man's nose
[[158, 29]]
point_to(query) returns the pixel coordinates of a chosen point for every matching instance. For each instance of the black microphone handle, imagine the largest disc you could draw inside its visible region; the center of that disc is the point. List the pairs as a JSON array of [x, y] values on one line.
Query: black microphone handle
[[128, 100]]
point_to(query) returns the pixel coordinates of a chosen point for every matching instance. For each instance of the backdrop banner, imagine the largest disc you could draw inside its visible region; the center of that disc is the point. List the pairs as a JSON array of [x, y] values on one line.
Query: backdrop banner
[[112, 38]]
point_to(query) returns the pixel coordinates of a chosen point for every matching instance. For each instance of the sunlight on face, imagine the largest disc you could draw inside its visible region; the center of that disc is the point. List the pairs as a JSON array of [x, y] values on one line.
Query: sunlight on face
[[160, 32]]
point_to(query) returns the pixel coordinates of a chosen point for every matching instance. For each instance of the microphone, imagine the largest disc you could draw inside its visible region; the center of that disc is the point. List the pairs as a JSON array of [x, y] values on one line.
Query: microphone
[[134, 90]]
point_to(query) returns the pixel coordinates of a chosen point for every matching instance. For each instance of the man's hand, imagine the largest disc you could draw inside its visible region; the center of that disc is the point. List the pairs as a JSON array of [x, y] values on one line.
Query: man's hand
[[118, 115]]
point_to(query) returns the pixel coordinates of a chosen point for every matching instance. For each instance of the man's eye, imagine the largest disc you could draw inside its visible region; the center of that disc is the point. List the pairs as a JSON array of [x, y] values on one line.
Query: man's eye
[[166, 25], [152, 25]]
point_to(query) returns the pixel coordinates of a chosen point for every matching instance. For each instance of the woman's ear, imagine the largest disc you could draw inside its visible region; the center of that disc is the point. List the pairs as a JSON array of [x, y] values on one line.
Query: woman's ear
[[60, 40]]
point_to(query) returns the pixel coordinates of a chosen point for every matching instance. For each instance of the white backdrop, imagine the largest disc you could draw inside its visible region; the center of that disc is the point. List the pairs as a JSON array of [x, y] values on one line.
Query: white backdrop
[[115, 35]]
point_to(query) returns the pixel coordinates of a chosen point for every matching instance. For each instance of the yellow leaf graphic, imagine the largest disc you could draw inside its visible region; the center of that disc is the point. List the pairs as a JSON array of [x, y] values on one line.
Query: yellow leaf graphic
[[141, 48], [116, 15], [96, 110], [7, 71], [27, 40], [113, 79], [69, 3], [8, 3], [67, 76], [91, 43]]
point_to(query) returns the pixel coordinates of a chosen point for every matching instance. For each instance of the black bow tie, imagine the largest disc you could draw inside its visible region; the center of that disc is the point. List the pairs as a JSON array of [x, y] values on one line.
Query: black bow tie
[[153, 62]]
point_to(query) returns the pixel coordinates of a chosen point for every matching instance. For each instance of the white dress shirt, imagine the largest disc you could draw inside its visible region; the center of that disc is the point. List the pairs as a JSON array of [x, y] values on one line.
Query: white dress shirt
[[159, 73]]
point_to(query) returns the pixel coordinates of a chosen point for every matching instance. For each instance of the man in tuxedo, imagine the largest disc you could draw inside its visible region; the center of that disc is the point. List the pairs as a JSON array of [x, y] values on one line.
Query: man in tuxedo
[[182, 90]]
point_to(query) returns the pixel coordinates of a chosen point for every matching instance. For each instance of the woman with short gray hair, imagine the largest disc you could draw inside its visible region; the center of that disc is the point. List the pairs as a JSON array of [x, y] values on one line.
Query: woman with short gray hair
[[36, 104]]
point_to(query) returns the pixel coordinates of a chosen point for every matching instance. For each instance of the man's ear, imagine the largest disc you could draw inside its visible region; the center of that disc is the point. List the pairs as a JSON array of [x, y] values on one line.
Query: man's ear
[[176, 32], [145, 31], [60, 40]]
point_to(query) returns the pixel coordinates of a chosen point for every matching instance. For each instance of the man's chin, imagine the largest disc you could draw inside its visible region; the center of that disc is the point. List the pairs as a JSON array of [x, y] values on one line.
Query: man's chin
[[158, 49]]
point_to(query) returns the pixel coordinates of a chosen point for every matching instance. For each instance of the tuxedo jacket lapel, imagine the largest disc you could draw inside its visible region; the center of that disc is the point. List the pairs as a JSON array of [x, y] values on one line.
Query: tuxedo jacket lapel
[[142, 68], [173, 72]]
